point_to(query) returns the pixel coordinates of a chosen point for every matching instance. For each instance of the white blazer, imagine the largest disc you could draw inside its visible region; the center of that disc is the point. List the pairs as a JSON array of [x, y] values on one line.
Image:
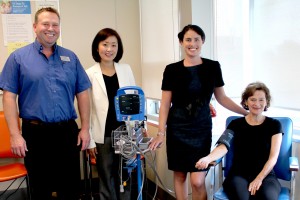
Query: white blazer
[[99, 99]]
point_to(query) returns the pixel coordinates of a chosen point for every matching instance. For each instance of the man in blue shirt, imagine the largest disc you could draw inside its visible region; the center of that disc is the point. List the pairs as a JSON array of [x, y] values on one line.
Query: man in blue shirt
[[46, 78]]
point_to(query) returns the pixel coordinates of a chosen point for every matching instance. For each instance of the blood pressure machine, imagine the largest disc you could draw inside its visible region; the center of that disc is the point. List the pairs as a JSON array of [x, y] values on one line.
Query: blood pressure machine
[[128, 139]]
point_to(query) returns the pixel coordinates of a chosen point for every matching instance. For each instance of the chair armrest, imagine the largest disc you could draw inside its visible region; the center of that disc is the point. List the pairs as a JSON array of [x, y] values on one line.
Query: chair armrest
[[294, 164], [216, 168], [216, 162]]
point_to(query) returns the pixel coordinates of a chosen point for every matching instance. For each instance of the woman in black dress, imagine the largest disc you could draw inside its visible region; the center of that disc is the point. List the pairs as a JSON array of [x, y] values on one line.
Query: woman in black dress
[[187, 88]]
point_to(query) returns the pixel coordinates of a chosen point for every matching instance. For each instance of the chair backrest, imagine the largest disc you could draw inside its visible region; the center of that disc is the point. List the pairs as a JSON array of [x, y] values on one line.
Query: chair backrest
[[5, 148], [282, 166]]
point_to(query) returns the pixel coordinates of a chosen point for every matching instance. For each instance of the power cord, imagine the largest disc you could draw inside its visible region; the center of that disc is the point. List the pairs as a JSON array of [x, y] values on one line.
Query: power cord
[[129, 149], [156, 186], [143, 179]]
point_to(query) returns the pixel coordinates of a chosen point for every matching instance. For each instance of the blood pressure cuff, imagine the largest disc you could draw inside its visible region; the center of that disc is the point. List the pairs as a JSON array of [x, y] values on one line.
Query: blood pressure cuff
[[226, 138]]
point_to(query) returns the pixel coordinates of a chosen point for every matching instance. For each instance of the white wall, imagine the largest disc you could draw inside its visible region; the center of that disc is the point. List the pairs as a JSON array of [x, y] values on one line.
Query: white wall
[[203, 16], [159, 27]]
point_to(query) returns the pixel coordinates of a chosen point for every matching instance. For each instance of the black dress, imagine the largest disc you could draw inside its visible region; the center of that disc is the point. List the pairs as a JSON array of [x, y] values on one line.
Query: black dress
[[189, 121]]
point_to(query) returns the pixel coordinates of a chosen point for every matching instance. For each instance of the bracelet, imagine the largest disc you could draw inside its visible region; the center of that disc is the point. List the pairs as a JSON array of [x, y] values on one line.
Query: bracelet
[[161, 133]]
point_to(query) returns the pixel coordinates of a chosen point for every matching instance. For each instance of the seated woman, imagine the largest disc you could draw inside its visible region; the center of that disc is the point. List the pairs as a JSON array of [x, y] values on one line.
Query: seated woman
[[257, 140]]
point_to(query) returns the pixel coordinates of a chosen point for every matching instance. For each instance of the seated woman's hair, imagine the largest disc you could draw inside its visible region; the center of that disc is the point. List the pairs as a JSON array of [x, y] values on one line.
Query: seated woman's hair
[[249, 91]]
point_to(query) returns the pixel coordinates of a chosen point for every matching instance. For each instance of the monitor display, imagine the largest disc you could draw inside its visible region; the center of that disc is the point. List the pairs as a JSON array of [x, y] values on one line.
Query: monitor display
[[129, 104]]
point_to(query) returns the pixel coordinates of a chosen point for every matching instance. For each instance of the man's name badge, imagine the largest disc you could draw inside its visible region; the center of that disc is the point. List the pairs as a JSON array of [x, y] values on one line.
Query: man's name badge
[[65, 58]]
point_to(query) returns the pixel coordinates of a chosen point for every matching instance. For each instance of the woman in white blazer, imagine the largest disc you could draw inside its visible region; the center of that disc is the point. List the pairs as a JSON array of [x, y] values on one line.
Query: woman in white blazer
[[107, 76]]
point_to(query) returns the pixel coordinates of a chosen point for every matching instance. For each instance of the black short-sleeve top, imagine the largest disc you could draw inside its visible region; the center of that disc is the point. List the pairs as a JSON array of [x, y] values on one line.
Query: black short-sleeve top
[[176, 78], [252, 145]]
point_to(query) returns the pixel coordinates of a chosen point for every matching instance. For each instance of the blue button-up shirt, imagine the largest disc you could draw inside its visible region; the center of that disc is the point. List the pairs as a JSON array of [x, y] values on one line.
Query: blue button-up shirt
[[46, 86]]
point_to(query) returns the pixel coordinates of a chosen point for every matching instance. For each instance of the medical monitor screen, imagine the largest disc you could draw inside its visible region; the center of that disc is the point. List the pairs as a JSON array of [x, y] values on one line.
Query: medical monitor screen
[[129, 104]]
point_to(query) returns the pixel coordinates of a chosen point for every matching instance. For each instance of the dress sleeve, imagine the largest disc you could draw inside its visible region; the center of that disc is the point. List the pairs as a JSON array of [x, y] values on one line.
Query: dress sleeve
[[167, 79], [219, 78]]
